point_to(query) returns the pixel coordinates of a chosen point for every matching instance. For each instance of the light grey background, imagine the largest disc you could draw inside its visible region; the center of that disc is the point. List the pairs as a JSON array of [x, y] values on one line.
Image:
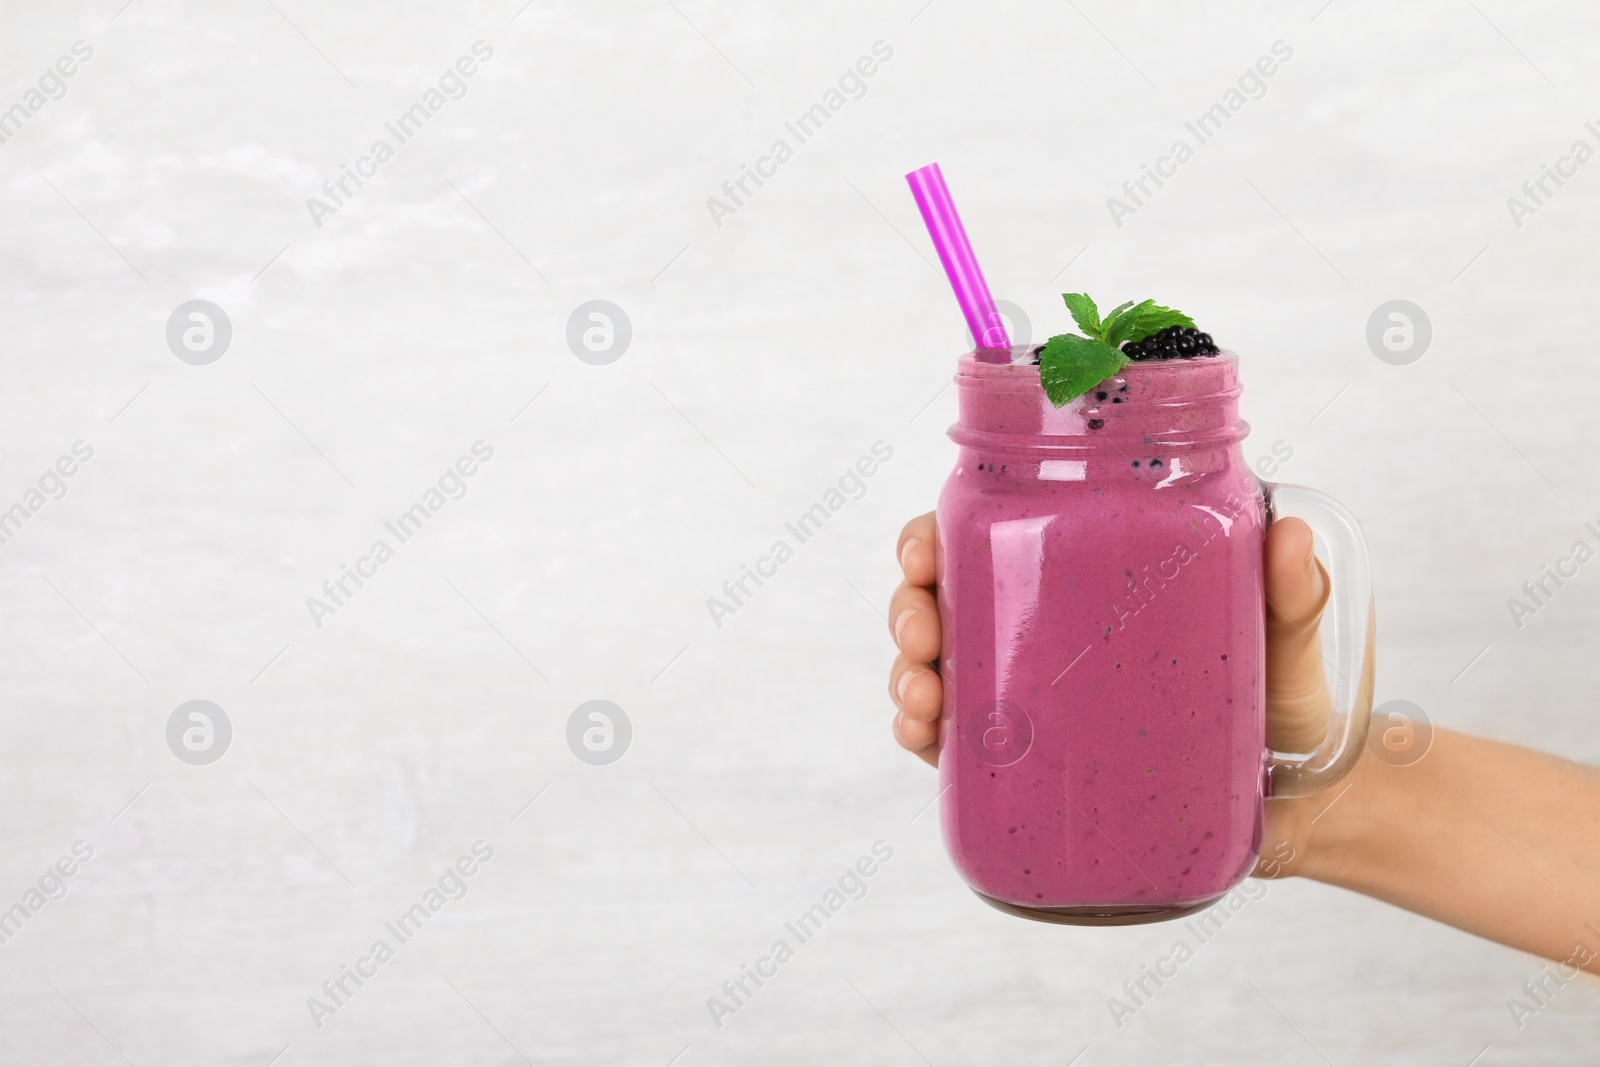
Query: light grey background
[[767, 355]]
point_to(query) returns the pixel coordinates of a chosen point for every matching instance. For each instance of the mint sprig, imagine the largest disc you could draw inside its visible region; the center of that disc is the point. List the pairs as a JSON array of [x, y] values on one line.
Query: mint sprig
[[1070, 365], [1084, 313]]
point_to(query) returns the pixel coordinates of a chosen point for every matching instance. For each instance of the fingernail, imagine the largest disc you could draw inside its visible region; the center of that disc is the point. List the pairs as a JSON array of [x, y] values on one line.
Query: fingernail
[[900, 621], [903, 684], [905, 549]]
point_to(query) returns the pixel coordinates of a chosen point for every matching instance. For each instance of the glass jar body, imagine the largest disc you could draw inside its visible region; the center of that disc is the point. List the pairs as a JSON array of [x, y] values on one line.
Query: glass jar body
[[1100, 575]]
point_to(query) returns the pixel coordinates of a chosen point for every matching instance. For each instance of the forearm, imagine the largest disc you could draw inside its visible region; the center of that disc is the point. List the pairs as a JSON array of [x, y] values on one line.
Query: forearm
[[1497, 840]]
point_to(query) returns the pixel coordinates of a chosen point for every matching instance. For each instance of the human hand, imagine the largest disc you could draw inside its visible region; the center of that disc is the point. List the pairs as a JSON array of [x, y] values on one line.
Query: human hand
[[1299, 706]]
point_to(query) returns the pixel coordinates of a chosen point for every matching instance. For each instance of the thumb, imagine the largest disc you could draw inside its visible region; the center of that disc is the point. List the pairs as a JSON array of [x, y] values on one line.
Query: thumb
[[1299, 706]]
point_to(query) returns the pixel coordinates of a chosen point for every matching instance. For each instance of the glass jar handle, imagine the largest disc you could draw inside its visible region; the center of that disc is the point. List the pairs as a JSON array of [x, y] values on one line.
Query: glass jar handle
[[1348, 618]]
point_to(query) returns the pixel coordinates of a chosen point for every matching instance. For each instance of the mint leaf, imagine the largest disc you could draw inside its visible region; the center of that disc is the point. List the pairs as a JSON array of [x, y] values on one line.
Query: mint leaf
[[1122, 327], [1119, 309], [1071, 365], [1084, 313], [1157, 318]]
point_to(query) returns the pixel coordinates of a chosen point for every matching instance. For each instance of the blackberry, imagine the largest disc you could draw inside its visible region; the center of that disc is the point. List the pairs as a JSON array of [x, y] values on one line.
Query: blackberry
[[1175, 342]]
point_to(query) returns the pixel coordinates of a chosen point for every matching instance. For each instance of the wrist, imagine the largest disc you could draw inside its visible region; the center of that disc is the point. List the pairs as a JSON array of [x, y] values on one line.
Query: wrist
[[1337, 824]]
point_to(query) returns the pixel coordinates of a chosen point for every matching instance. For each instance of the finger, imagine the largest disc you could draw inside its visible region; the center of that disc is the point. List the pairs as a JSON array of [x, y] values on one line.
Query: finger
[[916, 550], [1299, 706], [1296, 591], [921, 738], [914, 622], [916, 689]]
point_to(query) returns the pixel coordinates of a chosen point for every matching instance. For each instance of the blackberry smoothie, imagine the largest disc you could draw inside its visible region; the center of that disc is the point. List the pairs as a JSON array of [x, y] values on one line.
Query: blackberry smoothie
[[1103, 738], [1100, 572]]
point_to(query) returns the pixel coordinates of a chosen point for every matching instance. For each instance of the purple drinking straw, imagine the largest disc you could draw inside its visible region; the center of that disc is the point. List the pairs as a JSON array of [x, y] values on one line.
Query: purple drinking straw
[[955, 252]]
